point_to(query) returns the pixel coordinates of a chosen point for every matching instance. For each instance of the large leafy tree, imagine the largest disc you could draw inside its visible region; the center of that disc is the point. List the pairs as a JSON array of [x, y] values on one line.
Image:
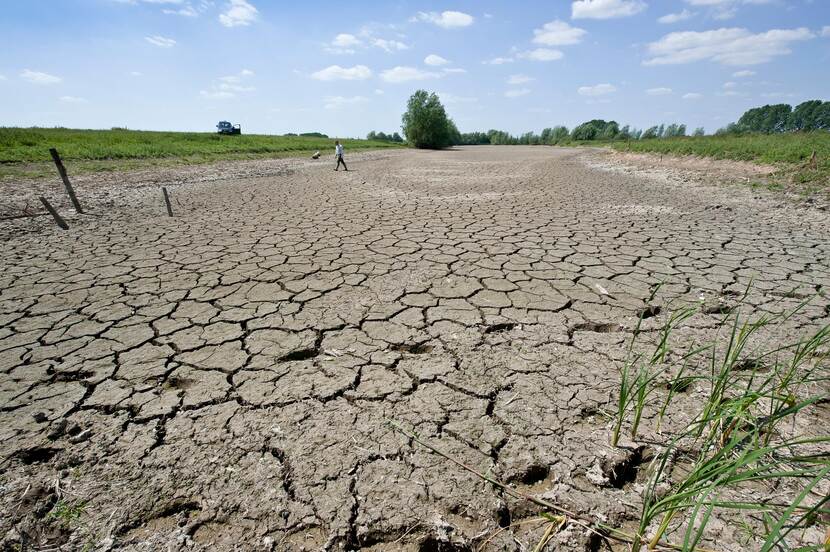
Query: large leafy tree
[[425, 123]]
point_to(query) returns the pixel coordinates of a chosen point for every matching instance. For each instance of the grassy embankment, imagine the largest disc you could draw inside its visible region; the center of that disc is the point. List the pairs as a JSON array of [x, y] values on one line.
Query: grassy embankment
[[24, 152], [790, 152]]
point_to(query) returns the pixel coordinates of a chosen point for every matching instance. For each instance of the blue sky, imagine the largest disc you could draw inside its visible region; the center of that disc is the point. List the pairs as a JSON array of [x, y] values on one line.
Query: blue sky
[[345, 68]]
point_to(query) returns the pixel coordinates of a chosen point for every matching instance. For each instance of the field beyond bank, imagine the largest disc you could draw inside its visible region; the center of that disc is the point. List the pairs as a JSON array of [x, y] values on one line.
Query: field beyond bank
[[791, 152], [25, 151]]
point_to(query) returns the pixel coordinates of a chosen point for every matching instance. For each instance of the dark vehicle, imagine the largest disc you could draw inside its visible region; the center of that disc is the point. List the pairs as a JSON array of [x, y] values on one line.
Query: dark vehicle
[[224, 127]]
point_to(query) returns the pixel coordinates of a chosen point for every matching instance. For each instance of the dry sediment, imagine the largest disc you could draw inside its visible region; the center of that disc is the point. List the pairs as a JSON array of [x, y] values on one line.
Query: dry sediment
[[224, 377]]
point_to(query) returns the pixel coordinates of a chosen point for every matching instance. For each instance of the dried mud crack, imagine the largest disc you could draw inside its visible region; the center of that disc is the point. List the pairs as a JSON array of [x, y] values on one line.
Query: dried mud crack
[[223, 379]]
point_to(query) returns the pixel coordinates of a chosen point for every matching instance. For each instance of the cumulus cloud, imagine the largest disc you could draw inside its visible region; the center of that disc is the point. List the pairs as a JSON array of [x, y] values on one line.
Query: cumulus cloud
[[519, 79], [517, 93], [454, 70], [743, 74], [541, 54], [389, 45], [446, 19], [726, 9], [825, 31], [160, 41], [606, 9], [661, 91], [692, 96], [670, 18], [229, 86], [345, 40], [239, 13], [435, 60], [498, 61], [186, 11], [334, 102], [728, 46], [405, 74], [597, 90], [558, 33], [335, 72], [2, 77], [71, 100], [36, 77]]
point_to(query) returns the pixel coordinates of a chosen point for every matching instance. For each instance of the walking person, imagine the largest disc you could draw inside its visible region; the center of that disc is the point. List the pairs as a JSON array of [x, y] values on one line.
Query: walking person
[[338, 153]]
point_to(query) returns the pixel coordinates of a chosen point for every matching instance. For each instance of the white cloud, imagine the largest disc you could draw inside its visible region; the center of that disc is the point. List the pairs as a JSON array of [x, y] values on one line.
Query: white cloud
[[36, 77], [3, 77], [825, 31], [730, 84], [446, 19], [541, 54], [160, 41], [448, 98], [345, 40], [729, 46], [743, 74], [186, 11], [435, 60], [454, 70], [228, 86], [519, 79], [379, 92], [405, 74], [239, 13], [517, 93], [136, 74], [72, 100], [498, 61], [670, 18], [661, 91], [335, 102], [335, 72], [558, 33], [692, 96], [726, 9], [606, 9], [389, 45], [597, 90]]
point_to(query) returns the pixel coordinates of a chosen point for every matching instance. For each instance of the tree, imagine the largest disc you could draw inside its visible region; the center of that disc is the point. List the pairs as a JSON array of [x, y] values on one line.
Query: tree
[[559, 134], [811, 115], [699, 132], [767, 119], [650, 133], [425, 123]]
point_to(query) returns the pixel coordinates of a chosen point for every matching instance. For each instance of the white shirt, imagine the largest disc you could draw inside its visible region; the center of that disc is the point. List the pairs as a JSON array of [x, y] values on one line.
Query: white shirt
[[338, 149]]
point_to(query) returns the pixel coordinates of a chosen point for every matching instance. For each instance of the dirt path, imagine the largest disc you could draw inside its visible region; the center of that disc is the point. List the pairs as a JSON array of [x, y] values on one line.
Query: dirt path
[[225, 377]]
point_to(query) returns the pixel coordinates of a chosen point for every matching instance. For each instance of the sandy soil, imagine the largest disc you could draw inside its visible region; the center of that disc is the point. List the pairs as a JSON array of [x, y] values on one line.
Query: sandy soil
[[224, 379]]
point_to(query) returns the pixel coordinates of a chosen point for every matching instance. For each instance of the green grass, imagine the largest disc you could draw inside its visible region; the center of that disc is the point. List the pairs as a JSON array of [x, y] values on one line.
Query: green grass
[[740, 434], [789, 152], [25, 151]]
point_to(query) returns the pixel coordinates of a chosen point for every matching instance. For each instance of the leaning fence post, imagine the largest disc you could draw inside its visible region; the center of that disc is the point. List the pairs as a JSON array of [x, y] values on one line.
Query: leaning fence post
[[62, 170], [55, 215], [167, 201]]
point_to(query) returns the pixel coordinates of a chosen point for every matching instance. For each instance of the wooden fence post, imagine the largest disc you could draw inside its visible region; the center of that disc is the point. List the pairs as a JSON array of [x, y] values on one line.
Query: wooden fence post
[[61, 223], [62, 170], [167, 201]]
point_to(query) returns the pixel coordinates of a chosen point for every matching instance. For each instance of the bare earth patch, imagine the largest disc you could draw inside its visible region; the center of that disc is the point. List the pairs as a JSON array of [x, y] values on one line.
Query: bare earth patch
[[224, 379]]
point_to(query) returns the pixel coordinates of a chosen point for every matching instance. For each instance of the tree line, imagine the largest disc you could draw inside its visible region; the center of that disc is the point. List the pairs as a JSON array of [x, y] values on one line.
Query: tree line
[[772, 119], [383, 137], [427, 125]]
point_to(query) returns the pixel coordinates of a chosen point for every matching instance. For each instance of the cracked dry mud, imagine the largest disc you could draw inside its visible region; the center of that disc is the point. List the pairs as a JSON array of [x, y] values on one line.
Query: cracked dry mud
[[224, 378]]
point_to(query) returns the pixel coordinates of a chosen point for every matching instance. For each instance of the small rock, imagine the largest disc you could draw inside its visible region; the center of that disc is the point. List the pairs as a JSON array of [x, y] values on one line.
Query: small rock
[[80, 437], [39, 417], [57, 431]]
